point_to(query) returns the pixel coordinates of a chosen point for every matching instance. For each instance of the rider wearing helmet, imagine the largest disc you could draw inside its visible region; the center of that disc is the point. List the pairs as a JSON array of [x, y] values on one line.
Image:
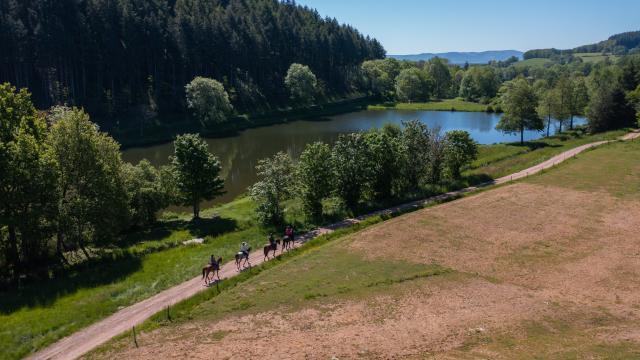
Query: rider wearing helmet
[[244, 248], [272, 240]]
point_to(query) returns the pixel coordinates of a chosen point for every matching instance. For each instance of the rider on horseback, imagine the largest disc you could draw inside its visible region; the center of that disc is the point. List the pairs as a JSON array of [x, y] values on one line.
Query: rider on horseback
[[272, 241], [244, 249], [212, 260]]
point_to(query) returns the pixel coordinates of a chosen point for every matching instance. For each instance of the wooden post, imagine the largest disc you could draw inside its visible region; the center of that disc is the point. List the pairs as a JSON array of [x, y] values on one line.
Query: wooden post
[[168, 313], [135, 340]]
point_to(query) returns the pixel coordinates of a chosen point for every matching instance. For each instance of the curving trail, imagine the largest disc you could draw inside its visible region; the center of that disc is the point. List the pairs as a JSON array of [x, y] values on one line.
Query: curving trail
[[83, 341]]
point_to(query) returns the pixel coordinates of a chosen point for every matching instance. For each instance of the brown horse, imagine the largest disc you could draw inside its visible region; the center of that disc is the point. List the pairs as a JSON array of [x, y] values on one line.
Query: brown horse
[[240, 256], [287, 243], [213, 269], [267, 248]]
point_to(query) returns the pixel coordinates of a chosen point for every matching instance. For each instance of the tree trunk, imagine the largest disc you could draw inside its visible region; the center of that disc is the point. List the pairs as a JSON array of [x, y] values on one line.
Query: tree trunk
[[60, 248], [522, 135], [548, 125], [571, 123], [196, 209], [12, 250]]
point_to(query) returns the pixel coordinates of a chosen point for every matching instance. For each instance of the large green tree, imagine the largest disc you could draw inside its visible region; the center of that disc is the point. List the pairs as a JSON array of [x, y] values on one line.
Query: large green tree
[[414, 149], [301, 83], [274, 185], [460, 150], [196, 172], [578, 99], [93, 201], [412, 84], [208, 100], [147, 192], [439, 72], [380, 76], [350, 160], [519, 104], [314, 177], [384, 146], [27, 184]]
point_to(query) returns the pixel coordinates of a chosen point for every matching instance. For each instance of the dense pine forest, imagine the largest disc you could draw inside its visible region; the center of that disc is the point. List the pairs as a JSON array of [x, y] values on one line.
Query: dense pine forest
[[115, 57]]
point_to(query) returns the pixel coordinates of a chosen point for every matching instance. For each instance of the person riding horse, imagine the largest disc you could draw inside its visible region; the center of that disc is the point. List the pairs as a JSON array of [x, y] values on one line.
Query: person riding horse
[[212, 267], [244, 249], [243, 254], [272, 241]]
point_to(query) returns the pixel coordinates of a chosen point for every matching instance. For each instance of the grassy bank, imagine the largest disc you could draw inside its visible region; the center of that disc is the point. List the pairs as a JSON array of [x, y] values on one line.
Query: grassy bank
[[498, 160], [441, 105], [162, 130], [42, 313]]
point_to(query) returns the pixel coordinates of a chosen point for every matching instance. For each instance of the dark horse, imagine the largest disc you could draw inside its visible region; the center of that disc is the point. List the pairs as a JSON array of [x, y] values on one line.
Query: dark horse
[[240, 256], [271, 247], [213, 269], [287, 243]]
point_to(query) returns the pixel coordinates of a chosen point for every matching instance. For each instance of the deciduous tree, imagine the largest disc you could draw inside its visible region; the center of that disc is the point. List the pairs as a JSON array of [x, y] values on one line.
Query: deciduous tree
[[519, 104], [208, 100], [196, 171]]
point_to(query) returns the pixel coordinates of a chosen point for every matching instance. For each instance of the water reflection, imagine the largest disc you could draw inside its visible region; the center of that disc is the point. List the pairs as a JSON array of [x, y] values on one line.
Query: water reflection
[[239, 154]]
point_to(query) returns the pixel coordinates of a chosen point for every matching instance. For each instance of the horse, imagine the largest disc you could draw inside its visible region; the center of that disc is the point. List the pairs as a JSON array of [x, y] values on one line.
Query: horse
[[270, 247], [211, 269], [240, 255], [287, 243]]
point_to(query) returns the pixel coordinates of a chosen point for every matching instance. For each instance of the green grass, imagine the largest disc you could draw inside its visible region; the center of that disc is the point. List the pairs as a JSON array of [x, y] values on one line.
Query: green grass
[[596, 57], [442, 105], [561, 337], [535, 62], [42, 313], [323, 271], [499, 160], [612, 169]]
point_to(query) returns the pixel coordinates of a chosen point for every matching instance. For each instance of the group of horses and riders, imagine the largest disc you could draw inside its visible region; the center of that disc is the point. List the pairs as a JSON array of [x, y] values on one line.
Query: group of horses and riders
[[212, 269]]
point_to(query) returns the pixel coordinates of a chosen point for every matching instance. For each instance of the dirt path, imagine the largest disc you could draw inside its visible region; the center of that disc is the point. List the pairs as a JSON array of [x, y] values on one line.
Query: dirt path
[[94, 335]]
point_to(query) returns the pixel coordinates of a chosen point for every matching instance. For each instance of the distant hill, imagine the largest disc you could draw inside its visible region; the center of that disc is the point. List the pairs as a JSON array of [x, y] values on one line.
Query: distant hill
[[481, 57], [618, 44]]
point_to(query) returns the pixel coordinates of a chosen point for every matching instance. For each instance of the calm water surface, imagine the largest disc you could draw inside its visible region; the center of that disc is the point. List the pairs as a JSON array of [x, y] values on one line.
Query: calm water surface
[[239, 154]]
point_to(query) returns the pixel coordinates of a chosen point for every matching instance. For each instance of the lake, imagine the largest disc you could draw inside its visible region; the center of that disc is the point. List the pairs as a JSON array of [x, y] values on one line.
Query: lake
[[239, 154]]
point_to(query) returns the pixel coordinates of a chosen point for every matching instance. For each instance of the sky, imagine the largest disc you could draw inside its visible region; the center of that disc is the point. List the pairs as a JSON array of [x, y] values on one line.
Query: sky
[[416, 26]]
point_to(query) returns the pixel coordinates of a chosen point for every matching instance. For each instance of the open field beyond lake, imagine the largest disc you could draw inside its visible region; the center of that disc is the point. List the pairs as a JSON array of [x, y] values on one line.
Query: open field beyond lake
[[548, 266]]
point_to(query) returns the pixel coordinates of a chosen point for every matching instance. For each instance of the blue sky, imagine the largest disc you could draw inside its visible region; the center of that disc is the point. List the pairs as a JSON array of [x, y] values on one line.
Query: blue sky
[[414, 26]]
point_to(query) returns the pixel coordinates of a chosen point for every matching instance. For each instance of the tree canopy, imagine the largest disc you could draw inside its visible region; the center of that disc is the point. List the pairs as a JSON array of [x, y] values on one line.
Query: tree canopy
[[111, 56], [209, 101], [197, 172], [519, 104]]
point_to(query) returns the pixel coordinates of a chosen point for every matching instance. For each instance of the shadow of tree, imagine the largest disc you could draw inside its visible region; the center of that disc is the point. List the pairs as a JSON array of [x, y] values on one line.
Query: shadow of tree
[[91, 273], [110, 267]]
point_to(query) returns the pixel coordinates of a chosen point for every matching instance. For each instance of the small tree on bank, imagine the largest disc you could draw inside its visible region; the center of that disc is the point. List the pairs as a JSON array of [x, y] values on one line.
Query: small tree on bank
[[301, 83], [314, 177], [460, 150], [519, 104], [275, 177], [196, 172], [208, 100]]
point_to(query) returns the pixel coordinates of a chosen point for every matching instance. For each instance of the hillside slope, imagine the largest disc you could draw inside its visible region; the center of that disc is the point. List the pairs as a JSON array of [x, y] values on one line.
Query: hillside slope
[[547, 266], [481, 57]]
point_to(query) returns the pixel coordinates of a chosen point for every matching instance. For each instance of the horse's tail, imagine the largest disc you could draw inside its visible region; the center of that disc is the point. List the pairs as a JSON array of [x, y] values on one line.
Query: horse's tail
[[203, 270]]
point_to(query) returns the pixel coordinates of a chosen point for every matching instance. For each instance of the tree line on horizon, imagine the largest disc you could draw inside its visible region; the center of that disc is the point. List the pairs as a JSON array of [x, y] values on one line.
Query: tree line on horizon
[[119, 57], [606, 93]]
